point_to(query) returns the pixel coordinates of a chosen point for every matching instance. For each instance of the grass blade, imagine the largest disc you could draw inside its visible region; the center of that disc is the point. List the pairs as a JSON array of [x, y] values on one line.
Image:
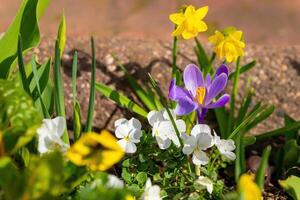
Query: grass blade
[[221, 115], [243, 69], [22, 71], [120, 99], [89, 121], [244, 107], [260, 174]]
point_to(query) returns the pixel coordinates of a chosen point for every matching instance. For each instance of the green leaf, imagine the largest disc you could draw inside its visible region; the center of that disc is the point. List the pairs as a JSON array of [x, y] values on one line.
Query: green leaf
[[244, 107], [11, 181], [61, 35], [291, 154], [90, 114], [25, 23], [120, 99], [141, 178], [280, 131], [202, 57], [289, 121], [77, 126], [22, 71], [240, 162], [138, 90], [18, 116], [243, 69], [249, 140], [221, 115], [292, 186], [261, 171]]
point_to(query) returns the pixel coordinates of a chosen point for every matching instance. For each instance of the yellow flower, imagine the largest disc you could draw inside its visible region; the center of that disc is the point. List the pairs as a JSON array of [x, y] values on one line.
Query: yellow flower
[[248, 188], [97, 151], [129, 197], [189, 23], [228, 44]]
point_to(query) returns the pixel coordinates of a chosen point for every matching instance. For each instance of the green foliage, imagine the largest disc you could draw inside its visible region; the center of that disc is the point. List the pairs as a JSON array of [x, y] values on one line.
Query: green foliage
[[120, 99], [292, 186], [26, 25], [18, 116], [260, 174], [61, 35]]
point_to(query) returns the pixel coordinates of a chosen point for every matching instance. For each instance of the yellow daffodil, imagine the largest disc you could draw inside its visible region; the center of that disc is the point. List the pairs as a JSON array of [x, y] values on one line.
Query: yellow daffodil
[[189, 23], [228, 44], [97, 151], [248, 188]]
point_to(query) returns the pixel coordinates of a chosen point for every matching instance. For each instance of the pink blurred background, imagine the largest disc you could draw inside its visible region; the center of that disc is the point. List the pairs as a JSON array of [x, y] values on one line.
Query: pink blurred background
[[263, 21]]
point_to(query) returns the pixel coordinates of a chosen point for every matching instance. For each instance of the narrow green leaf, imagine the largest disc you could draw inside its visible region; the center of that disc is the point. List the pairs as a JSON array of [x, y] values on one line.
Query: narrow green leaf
[[280, 131], [90, 114], [74, 76], [77, 126], [59, 97], [243, 69], [249, 140], [260, 174], [120, 99], [240, 162], [202, 57], [244, 107], [174, 56], [137, 89], [289, 121], [22, 71], [221, 115], [61, 35]]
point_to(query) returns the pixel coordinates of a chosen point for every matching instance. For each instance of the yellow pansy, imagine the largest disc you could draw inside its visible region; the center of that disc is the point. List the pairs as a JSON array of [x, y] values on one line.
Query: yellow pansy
[[248, 188], [97, 151], [189, 23], [228, 44]]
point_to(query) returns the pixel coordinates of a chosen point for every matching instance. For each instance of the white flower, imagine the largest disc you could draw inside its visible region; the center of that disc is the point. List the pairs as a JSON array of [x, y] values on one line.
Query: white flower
[[206, 182], [114, 182], [199, 140], [129, 132], [49, 135], [163, 129], [226, 147], [151, 192]]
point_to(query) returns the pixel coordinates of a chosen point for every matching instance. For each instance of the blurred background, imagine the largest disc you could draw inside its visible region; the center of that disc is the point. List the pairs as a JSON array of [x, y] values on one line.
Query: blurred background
[[275, 22]]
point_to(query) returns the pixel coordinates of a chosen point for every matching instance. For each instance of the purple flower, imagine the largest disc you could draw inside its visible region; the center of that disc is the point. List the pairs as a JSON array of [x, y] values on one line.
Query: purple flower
[[199, 93]]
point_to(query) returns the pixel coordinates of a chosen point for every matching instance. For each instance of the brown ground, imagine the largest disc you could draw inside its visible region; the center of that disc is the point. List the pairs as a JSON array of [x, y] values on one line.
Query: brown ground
[[275, 79], [263, 21]]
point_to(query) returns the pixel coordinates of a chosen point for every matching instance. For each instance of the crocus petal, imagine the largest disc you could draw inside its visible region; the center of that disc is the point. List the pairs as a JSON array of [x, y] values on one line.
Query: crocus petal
[[127, 146], [216, 87], [200, 158], [154, 116], [221, 102], [222, 69], [185, 107], [207, 81], [134, 123], [192, 77], [120, 121], [122, 131], [177, 93]]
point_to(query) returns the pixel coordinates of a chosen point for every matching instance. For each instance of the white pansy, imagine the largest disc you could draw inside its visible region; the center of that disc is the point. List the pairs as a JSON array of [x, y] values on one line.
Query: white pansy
[[163, 129], [151, 192], [114, 182], [49, 135], [206, 182], [129, 132], [199, 140], [225, 147]]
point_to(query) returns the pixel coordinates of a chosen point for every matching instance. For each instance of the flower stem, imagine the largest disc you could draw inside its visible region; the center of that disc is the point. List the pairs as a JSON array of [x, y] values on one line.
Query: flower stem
[[233, 96], [174, 57]]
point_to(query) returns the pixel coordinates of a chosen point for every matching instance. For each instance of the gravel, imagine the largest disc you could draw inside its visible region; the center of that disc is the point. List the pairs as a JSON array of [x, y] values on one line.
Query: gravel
[[275, 78]]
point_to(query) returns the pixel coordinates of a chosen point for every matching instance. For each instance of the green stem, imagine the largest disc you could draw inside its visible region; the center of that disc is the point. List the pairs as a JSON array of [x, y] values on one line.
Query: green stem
[[174, 57], [233, 96]]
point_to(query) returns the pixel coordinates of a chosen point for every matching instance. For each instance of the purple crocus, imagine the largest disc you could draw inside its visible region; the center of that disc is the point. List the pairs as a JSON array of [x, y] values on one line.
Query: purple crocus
[[199, 93]]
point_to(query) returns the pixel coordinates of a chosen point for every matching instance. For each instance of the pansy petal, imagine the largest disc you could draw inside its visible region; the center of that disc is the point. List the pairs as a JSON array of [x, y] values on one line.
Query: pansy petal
[[60, 124], [166, 115], [120, 121], [216, 87], [222, 69], [122, 131], [206, 182], [187, 150], [127, 146], [221, 102], [135, 135], [200, 158], [200, 128], [154, 116], [204, 141], [181, 126], [229, 155], [134, 123], [192, 77], [162, 142]]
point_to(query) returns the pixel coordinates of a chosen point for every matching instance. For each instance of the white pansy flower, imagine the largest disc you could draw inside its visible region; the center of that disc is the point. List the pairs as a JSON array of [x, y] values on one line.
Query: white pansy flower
[[163, 129], [129, 132], [226, 147], [199, 140], [49, 135], [151, 192], [114, 182], [206, 182]]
